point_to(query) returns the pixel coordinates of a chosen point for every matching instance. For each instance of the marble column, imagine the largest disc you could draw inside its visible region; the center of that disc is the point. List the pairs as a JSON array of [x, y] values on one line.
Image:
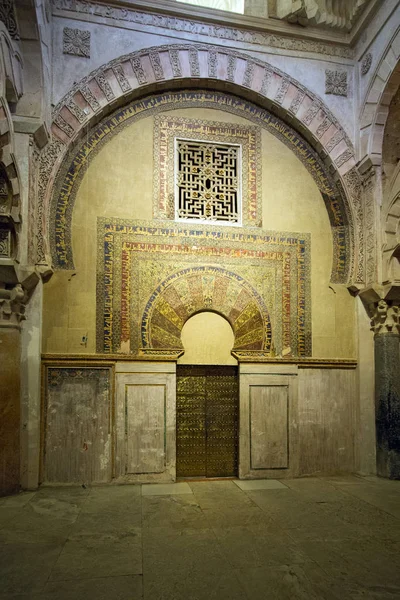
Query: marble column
[[11, 313], [382, 304]]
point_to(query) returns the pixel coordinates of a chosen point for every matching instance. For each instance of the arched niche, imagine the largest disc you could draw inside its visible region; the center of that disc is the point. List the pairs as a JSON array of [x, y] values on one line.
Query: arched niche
[[207, 339]]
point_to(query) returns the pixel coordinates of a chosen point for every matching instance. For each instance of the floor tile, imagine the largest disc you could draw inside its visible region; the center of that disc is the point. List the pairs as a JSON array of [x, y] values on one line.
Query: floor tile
[[17, 501], [247, 547], [313, 539], [129, 587], [260, 484], [104, 555], [213, 584], [25, 568], [166, 489], [286, 582], [172, 512]]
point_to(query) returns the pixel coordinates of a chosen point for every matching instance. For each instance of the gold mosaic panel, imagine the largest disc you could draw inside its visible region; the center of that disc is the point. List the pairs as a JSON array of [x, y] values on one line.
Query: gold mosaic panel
[[152, 278]]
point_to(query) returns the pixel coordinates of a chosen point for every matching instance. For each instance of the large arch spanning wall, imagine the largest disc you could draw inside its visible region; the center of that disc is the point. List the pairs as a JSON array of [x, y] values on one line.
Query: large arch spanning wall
[[193, 66]]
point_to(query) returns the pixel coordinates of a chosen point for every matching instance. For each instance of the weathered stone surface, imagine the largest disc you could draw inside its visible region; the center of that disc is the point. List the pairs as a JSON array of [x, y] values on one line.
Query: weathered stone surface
[[387, 403], [9, 410]]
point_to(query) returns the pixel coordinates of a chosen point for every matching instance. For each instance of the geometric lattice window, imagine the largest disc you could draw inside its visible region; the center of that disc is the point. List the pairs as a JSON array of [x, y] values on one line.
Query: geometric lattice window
[[207, 181]]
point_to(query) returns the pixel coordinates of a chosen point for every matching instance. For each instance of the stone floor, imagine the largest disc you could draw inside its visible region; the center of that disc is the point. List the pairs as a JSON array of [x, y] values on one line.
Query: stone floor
[[329, 538]]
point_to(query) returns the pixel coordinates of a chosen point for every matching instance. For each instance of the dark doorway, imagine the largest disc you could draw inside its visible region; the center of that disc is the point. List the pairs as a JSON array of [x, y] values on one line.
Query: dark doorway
[[207, 417]]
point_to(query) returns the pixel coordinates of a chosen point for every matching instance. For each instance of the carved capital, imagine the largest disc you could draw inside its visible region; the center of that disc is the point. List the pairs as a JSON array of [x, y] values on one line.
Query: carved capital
[[12, 305], [382, 303], [385, 317]]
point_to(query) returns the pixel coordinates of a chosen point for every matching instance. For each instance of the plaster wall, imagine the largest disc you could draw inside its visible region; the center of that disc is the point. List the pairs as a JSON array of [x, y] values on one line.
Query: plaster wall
[[119, 183], [208, 339]]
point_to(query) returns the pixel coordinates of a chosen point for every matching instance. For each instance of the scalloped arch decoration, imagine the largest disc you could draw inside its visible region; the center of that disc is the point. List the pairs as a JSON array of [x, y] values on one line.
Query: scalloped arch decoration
[[198, 289]]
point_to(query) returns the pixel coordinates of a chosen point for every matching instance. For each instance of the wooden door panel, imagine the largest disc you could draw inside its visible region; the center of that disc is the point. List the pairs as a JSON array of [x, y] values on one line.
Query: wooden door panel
[[269, 426], [222, 422], [190, 422], [207, 421], [145, 426]]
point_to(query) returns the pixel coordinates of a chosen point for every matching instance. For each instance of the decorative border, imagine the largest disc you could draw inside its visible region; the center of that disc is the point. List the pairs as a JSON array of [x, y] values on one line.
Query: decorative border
[[248, 356], [146, 325], [123, 316], [167, 128], [79, 158], [196, 27]]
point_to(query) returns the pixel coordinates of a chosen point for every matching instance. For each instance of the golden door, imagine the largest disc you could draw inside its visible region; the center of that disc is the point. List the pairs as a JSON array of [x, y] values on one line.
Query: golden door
[[207, 417]]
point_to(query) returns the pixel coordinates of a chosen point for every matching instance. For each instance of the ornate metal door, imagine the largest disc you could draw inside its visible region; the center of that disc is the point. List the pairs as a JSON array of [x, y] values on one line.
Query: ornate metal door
[[207, 421]]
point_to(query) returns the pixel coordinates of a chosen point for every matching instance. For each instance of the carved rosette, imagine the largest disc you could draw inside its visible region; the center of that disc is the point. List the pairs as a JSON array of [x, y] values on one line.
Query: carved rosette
[[12, 305]]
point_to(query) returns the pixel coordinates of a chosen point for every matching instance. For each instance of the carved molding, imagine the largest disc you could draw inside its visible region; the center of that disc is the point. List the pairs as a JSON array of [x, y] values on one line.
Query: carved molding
[[198, 27]]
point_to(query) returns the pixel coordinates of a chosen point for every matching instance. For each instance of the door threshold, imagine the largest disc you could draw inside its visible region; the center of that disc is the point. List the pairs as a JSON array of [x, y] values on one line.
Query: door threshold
[[201, 478]]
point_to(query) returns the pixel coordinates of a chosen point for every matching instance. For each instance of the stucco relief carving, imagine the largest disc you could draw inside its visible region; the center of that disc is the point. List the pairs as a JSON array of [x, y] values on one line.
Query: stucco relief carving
[[194, 62], [64, 126], [281, 93], [105, 86], [76, 111], [336, 82], [212, 63], [366, 63], [294, 107], [156, 64], [48, 159], [76, 42], [138, 70], [248, 74], [344, 157], [5, 243], [231, 67], [7, 16], [89, 97], [122, 80], [219, 32], [175, 62], [368, 183]]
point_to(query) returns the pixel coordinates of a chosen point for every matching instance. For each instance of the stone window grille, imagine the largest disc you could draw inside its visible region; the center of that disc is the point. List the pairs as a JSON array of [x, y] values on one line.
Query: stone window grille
[[208, 182]]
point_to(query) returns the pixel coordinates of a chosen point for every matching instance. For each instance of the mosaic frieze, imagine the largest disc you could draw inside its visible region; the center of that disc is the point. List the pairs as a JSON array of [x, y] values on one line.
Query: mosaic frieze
[[77, 162], [167, 128], [152, 278]]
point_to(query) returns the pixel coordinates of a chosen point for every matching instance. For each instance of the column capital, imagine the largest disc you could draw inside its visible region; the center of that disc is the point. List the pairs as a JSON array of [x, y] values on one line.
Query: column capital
[[12, 305], [382, 303]]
